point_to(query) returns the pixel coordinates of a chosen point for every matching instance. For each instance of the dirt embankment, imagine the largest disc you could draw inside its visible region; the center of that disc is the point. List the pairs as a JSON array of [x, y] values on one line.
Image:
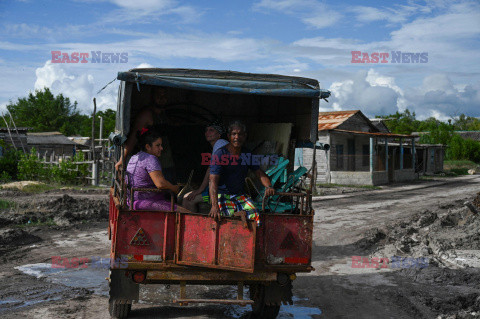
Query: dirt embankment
[[52, 209], [446, 241]]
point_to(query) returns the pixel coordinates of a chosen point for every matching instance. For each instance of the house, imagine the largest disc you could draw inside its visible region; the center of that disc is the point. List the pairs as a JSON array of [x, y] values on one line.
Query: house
[[429, 159], [359, 153], [48, 143], [16, 138]]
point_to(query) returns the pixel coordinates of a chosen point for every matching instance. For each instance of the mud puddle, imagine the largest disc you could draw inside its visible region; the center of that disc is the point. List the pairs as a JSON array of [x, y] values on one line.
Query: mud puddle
[[88, 278], [93, 281], [164, 294]]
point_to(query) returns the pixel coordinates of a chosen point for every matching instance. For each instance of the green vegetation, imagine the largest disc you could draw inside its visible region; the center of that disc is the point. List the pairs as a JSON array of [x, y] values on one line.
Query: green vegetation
[[440, 132], [66, 172], [5, 204], [56, 113]]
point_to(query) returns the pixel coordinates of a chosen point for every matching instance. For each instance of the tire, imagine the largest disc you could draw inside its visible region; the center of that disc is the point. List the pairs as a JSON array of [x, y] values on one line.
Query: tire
[[259, 309], [118, 310]]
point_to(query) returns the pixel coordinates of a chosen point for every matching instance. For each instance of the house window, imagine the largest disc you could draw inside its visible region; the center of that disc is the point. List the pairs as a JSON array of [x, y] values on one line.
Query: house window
[[339, 157], [366, 155]]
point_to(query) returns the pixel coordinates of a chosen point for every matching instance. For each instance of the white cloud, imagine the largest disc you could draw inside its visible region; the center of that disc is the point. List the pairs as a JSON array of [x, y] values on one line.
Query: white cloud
[[313, 13], [148, 11], [144, 66], [78, 86], [377, 94], [364, 92]]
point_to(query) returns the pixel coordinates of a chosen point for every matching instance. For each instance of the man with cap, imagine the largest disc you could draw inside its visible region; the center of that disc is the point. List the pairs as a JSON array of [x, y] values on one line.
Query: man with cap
[[213, 133]]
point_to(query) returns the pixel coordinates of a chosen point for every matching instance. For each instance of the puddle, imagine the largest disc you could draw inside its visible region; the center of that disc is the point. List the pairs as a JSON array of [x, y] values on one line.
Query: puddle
[[89, 278], [93, 279]]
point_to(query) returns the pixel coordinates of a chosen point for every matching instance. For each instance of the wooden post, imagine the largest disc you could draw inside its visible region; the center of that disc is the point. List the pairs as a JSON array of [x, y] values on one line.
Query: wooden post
[[94, 165], [371, 155], [401, 153], [413, 154], [386, 154]]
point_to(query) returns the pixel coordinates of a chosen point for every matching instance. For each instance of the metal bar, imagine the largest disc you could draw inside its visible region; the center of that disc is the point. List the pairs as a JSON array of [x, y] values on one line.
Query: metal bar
[[165, 236], [183, 286], [240, 290], [190, 274], [216, 301]]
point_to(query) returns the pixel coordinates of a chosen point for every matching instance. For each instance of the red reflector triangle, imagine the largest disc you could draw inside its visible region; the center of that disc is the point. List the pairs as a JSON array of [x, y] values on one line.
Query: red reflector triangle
[[140, 238], [289, 242]]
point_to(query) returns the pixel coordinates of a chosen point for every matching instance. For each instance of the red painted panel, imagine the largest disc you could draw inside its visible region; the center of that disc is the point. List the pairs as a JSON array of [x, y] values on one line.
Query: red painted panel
[[196, 239], [153, 226], [288, 238], [224, 245], [236, 245]]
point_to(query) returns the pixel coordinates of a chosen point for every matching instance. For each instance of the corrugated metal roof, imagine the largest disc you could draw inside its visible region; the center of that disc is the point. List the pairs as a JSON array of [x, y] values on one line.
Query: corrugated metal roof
[[48, 138], [380, 134], [331, 120]]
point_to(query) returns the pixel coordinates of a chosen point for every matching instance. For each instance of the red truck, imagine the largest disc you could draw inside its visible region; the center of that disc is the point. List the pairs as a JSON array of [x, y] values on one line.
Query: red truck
[[169, 247]]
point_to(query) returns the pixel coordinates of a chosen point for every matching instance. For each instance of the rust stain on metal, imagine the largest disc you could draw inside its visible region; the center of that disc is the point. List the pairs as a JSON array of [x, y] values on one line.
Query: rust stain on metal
[[331, 120]]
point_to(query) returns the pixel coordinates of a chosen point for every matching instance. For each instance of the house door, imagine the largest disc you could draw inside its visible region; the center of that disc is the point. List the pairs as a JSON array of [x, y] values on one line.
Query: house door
[[351, 155], [391, 164]]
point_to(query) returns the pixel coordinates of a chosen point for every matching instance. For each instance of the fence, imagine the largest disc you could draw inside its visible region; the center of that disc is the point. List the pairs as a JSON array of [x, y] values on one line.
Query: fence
[[100, 167]]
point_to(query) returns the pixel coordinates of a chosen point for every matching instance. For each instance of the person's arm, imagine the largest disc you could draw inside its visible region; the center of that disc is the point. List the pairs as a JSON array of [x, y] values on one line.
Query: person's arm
[[269, 190], [161, 182], [204, 184], [144, 119], [213, 190]]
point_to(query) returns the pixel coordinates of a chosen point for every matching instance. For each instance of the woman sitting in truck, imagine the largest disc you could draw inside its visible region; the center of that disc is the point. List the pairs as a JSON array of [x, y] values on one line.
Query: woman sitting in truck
[[144, 171]]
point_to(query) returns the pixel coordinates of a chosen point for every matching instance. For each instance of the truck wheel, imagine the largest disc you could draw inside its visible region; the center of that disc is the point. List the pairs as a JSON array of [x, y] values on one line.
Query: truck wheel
[[118, 310], [259, 308]]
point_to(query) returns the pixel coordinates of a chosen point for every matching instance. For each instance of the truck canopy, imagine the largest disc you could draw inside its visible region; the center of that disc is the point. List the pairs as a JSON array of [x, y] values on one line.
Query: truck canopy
[[225, 82]]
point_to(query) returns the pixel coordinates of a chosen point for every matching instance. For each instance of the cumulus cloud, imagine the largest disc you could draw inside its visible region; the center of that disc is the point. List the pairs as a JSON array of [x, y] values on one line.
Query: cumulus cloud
[[77, 86], [367, 91], [377, 94]]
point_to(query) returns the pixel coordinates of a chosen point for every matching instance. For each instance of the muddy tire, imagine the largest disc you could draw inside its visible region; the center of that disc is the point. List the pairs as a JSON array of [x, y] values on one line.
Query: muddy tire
[[118, 310], [259, 308]]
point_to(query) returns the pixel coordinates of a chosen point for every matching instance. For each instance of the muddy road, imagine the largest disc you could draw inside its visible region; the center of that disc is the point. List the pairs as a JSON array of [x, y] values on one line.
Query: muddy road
[[427, 219]]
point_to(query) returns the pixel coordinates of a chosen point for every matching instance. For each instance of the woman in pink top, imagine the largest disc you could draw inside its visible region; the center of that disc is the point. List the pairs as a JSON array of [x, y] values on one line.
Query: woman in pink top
[[144, 171]]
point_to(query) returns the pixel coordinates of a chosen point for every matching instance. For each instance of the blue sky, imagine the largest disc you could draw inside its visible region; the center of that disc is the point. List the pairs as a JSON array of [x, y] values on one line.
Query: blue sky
[[308, 38]]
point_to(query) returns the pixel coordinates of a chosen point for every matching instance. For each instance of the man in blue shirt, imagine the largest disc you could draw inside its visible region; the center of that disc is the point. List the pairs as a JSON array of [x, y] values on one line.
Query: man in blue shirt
[[228, 170]]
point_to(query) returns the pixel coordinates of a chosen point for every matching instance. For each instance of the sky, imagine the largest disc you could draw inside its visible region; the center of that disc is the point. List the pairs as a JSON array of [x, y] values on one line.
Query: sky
[[432, 67]]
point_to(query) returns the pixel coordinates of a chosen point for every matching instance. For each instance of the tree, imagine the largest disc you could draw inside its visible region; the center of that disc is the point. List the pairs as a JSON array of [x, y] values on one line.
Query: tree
[[44, 112], [401, 123], [467, 123]]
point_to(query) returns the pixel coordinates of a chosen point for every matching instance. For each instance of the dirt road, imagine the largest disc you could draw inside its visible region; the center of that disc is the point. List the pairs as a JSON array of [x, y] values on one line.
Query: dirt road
[[31, 288]]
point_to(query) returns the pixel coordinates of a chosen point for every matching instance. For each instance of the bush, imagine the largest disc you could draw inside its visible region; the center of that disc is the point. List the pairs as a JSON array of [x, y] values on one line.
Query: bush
[[8, 163], [67, 173], [30, 167], [463, 149]]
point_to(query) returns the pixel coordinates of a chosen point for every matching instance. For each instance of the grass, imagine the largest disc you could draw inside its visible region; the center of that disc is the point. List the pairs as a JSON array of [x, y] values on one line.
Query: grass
[[38, 188], [4, 204], [455, 168], [448, 165]]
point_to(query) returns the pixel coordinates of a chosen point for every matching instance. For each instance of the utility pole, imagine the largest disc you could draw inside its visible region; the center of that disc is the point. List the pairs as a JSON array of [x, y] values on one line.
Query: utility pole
[[94, 165], [100, 136]]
